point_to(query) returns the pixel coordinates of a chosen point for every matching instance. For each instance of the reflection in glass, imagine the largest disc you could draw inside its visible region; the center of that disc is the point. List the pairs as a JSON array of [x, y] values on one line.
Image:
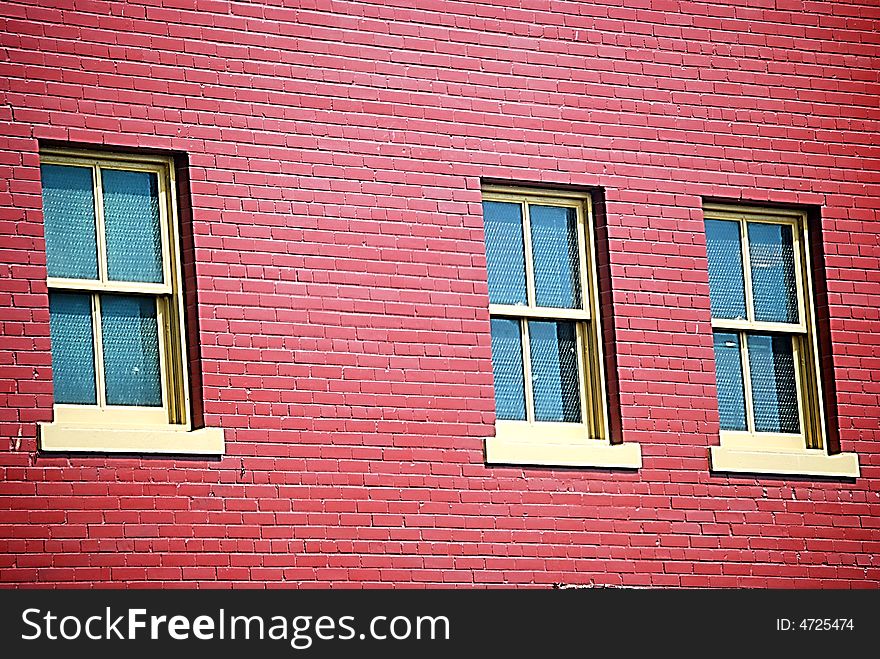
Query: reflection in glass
[[504, 252], [774, 287], [555, 371], [69, 221], [131, 219], [73, 355], [774, 393], [131, 350], [729, 376], [556, 258], [726, 284], [507, 368]]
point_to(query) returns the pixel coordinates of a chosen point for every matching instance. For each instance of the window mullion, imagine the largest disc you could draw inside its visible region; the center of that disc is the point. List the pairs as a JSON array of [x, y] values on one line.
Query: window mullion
[[527, 370], [122, 287], [527, 252], [99, 350], [100, 233], [747, 271], [747, 382], [764, 327]]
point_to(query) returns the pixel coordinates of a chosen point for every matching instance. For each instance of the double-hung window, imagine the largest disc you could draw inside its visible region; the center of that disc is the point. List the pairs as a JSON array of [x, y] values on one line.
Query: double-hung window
[[766, 358], [115, 306], [546, 339]]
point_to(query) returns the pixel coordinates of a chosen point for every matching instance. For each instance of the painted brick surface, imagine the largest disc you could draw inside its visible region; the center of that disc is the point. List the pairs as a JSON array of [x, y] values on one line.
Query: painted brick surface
[[334, 153]]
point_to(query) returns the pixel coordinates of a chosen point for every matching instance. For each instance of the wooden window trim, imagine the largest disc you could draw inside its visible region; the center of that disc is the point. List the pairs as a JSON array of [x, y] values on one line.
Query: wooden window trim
[[102, 427], [533, 442], [780, 453]]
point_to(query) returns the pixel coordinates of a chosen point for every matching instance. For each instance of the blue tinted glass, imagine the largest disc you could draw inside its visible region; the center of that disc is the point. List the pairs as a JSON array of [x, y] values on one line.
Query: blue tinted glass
[[504, 252], [555, 253], [554, 371], [69, 218], [131, 220], [771, 250], [73, 353], [726, 286], [131, 350], [507, 367], [774, 393], [729, 375]]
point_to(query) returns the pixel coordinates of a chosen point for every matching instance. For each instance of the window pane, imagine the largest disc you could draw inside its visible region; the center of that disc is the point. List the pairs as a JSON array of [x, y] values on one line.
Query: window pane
[[507, 367], [504, 252], [729, 375], [131, 350], [771, 249], [555, 253], [69, 212], [131, 218], [726, 285], [555, 378], [774, 394], [73, 354]]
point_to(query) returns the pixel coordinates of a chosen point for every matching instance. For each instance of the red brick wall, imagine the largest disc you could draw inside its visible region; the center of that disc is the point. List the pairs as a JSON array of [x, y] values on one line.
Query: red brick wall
[[335, 153]]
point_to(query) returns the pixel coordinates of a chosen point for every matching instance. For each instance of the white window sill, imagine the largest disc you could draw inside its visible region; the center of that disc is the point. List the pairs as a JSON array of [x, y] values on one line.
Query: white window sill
[[56, 437], [805, 462], [585, 453]]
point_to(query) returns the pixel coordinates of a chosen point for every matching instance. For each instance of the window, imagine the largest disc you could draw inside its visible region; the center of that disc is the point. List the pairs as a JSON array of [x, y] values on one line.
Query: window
[[115, 305], [546, 350], [766, 361]]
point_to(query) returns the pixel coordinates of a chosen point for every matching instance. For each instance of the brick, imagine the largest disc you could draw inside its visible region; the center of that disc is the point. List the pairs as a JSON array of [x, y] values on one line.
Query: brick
[[337, 298]]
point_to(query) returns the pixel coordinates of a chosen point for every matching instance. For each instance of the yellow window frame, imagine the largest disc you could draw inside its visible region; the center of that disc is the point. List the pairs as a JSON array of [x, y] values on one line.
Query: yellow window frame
[[547, 442], [748, 450], [104, 427]]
